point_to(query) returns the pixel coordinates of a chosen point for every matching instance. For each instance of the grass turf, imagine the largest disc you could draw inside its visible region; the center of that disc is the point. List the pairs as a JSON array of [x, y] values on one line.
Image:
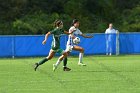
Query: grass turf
[[103, 74]]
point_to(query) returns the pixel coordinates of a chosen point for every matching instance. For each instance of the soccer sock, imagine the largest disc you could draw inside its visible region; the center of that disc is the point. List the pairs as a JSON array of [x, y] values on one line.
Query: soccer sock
[[80, 57], [42, 61], [58, 62], [65, 62]]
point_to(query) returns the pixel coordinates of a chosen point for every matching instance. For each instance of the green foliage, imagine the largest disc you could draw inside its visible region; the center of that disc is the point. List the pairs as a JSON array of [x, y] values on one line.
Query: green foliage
[[131, 20], [37, 17], [37, 23]]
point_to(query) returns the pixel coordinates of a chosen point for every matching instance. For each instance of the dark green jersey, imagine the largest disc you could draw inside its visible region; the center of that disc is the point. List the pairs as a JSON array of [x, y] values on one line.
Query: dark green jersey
[[56, 38]]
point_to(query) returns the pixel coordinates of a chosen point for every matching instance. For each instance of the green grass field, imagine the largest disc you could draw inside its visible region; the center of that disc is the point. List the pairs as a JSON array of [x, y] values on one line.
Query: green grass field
[[103, 74]]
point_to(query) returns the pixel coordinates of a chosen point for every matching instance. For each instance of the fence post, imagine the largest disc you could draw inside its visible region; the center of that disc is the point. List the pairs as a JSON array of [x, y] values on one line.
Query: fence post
[[13, 46], [117, 43]]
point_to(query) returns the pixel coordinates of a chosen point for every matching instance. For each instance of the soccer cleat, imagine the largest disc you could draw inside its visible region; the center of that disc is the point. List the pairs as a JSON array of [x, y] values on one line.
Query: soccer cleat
[[66, 69], [81, 64], [54, 67], [36, 66]]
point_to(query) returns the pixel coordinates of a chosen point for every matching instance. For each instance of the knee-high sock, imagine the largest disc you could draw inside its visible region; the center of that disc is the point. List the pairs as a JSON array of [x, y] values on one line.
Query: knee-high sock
[[58, 62], [42, 61], [65, 62], [80, 57]]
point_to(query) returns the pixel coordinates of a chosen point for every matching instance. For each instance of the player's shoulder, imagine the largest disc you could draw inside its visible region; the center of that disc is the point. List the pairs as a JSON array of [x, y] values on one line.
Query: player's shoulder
[[72, 28], [107, 29], [54, 30]]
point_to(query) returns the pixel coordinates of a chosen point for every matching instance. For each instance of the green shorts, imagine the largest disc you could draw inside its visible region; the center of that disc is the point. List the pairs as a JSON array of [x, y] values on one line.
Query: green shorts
[[58, 50]]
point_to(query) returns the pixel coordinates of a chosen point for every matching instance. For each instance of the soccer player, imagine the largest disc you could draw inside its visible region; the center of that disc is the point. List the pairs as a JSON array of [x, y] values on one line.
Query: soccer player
[[55, 47], [71, 46]]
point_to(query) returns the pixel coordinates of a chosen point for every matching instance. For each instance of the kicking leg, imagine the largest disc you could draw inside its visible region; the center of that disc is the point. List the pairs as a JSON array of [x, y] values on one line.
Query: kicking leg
[[50, 56]]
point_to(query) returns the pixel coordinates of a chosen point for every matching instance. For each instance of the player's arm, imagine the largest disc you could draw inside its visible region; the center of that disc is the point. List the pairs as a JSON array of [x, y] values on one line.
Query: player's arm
[[68, 33], [85, 36], [46, 37]]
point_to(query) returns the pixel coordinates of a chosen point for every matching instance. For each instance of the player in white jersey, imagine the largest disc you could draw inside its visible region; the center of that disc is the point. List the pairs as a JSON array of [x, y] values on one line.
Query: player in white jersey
[[71, 46]]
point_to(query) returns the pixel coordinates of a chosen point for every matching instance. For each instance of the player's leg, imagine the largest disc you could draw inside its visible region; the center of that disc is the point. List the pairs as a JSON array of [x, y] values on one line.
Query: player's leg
[[50, 56], [110, 48], [65, 68], [78, 48], [68, 50], [65, 62], [107, 47], [64, 54]]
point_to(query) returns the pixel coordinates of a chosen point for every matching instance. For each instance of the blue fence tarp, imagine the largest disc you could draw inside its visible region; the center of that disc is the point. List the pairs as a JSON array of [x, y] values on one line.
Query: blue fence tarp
[[24, 46], [6, 46], [130, 43]]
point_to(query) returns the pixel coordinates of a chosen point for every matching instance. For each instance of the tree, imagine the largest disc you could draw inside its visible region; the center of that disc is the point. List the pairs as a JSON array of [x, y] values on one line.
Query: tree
[[37, 16], [131, 20]]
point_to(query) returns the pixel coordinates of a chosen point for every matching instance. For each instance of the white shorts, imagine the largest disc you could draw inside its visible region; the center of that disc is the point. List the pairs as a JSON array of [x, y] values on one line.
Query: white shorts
[[69, 48]]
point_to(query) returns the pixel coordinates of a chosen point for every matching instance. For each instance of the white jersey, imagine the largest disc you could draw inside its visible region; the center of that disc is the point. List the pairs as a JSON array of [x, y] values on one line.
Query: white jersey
[[70, 40], [76, 32], [110, 31]]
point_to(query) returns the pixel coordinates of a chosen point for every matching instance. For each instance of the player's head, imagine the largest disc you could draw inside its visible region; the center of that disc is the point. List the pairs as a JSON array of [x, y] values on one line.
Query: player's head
[[75, 23], [58, 23], [110, 25]]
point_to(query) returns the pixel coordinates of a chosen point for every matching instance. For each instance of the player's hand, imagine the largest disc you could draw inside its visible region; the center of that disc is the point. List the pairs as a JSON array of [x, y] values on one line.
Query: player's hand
[[90, 36], [44, 42]]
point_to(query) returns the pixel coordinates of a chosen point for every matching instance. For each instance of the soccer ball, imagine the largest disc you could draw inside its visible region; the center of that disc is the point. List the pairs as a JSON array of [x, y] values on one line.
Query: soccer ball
[[76, 40]]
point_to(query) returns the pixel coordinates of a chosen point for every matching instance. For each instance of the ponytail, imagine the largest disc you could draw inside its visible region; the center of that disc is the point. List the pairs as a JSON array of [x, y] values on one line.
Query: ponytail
[[74, 21], [57, 23]]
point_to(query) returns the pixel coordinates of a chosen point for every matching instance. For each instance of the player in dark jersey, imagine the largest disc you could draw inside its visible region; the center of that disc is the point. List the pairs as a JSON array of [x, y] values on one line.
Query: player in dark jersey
[[55, 47]]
